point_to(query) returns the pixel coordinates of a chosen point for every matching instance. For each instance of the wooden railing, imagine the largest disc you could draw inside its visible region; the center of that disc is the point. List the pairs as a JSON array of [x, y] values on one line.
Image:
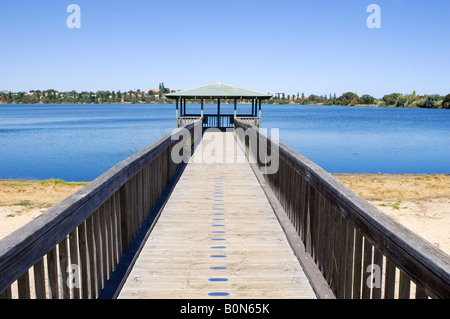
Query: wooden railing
[[75, 248], [361, 252], [213, 120], [223, 120], [250, 120], [186, 120]]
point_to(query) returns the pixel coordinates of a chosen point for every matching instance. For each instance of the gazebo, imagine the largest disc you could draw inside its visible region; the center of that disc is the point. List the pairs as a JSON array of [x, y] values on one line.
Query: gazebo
[[219, 91]]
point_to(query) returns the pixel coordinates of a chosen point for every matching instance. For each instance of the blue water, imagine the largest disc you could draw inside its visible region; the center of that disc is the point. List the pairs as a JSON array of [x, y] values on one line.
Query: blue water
[[361, 139], [80, 142]]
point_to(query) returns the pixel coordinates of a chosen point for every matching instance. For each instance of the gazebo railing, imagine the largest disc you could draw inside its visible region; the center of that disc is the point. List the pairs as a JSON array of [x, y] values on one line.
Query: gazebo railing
[[214, 120]]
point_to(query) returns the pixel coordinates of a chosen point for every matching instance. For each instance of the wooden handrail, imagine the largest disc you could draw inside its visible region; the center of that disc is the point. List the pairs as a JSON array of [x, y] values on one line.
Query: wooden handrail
[[347, 237], [92, 228]]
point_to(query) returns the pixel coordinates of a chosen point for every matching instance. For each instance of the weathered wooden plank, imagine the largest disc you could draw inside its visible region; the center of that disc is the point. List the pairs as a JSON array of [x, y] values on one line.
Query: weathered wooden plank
[[104, 243], [114, 234], [378, 261], [99, 257], [84, 267], [6, 294], [348, 261], [109, 238], [52, 269], [63, 264], [420, 293], [73, 244], [90, 253], [404, 290], [357, 265], [389, 286], [367, 261], [39, 279], [23, 286]]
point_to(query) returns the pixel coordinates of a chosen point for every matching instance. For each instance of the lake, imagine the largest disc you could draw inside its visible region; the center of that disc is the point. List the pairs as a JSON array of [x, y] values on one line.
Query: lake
[[80, 142]]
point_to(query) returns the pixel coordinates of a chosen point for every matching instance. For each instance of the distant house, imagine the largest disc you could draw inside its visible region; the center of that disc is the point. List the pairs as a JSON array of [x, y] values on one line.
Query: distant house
[[278, 95]]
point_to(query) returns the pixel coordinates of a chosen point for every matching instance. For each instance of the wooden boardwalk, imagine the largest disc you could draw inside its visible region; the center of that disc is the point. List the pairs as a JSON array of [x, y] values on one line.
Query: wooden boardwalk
[[217, 236]]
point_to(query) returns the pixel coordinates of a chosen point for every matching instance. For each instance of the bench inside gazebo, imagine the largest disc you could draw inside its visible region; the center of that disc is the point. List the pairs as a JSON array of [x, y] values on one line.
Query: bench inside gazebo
[[218, 91]]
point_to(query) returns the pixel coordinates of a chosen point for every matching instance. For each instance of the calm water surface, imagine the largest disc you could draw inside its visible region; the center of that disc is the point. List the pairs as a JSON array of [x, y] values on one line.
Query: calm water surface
[[80, 142]]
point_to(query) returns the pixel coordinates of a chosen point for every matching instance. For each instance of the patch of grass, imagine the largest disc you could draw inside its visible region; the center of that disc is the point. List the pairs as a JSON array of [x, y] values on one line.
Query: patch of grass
[[19, 184], [61, 182], [30, 205], [47, 206], [23, 203], [396, 205]]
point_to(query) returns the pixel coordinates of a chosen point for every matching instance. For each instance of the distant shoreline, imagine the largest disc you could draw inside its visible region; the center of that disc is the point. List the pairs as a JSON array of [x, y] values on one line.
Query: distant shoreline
[[281, 104]]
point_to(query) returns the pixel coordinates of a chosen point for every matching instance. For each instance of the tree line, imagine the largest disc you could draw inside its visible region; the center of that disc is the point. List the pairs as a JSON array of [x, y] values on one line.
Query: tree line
[[73, 97], [349, 98], [157, 96]]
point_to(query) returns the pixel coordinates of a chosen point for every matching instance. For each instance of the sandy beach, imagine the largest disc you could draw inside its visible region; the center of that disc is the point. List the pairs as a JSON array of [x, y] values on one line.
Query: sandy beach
[[22, 201], [420, 202]]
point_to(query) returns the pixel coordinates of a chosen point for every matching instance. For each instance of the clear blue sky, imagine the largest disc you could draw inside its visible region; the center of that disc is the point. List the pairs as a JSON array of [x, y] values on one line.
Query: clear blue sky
[[311, 46]]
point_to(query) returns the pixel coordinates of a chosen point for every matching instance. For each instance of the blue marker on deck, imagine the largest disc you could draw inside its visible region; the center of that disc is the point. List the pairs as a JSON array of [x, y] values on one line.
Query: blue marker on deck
[[217, 279], [218, 294]]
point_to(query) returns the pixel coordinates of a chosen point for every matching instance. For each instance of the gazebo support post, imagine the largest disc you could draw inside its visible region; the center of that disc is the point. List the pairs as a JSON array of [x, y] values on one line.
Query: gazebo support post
[[218, 112], [201, 113], [259, 115], [177, 111]]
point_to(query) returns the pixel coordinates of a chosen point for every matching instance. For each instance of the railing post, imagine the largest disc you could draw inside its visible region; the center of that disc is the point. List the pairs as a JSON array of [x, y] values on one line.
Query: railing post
[[124, 218], [201, 102]]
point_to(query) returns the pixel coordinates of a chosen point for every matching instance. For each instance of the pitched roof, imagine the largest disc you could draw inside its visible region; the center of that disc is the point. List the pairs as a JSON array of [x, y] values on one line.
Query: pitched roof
[[218, 90]]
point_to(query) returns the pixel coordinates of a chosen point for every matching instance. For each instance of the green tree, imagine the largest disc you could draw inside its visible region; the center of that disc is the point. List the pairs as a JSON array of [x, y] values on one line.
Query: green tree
[[366, 99], [446, 102], [349, 96], [391, 99]]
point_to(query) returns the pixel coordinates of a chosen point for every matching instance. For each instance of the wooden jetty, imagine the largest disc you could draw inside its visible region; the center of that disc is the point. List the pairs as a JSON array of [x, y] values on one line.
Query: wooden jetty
[[221, 223], [217, 236]]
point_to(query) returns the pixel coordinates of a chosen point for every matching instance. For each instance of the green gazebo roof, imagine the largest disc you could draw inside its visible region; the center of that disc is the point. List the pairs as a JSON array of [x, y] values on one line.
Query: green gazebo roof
[[218, 91]]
